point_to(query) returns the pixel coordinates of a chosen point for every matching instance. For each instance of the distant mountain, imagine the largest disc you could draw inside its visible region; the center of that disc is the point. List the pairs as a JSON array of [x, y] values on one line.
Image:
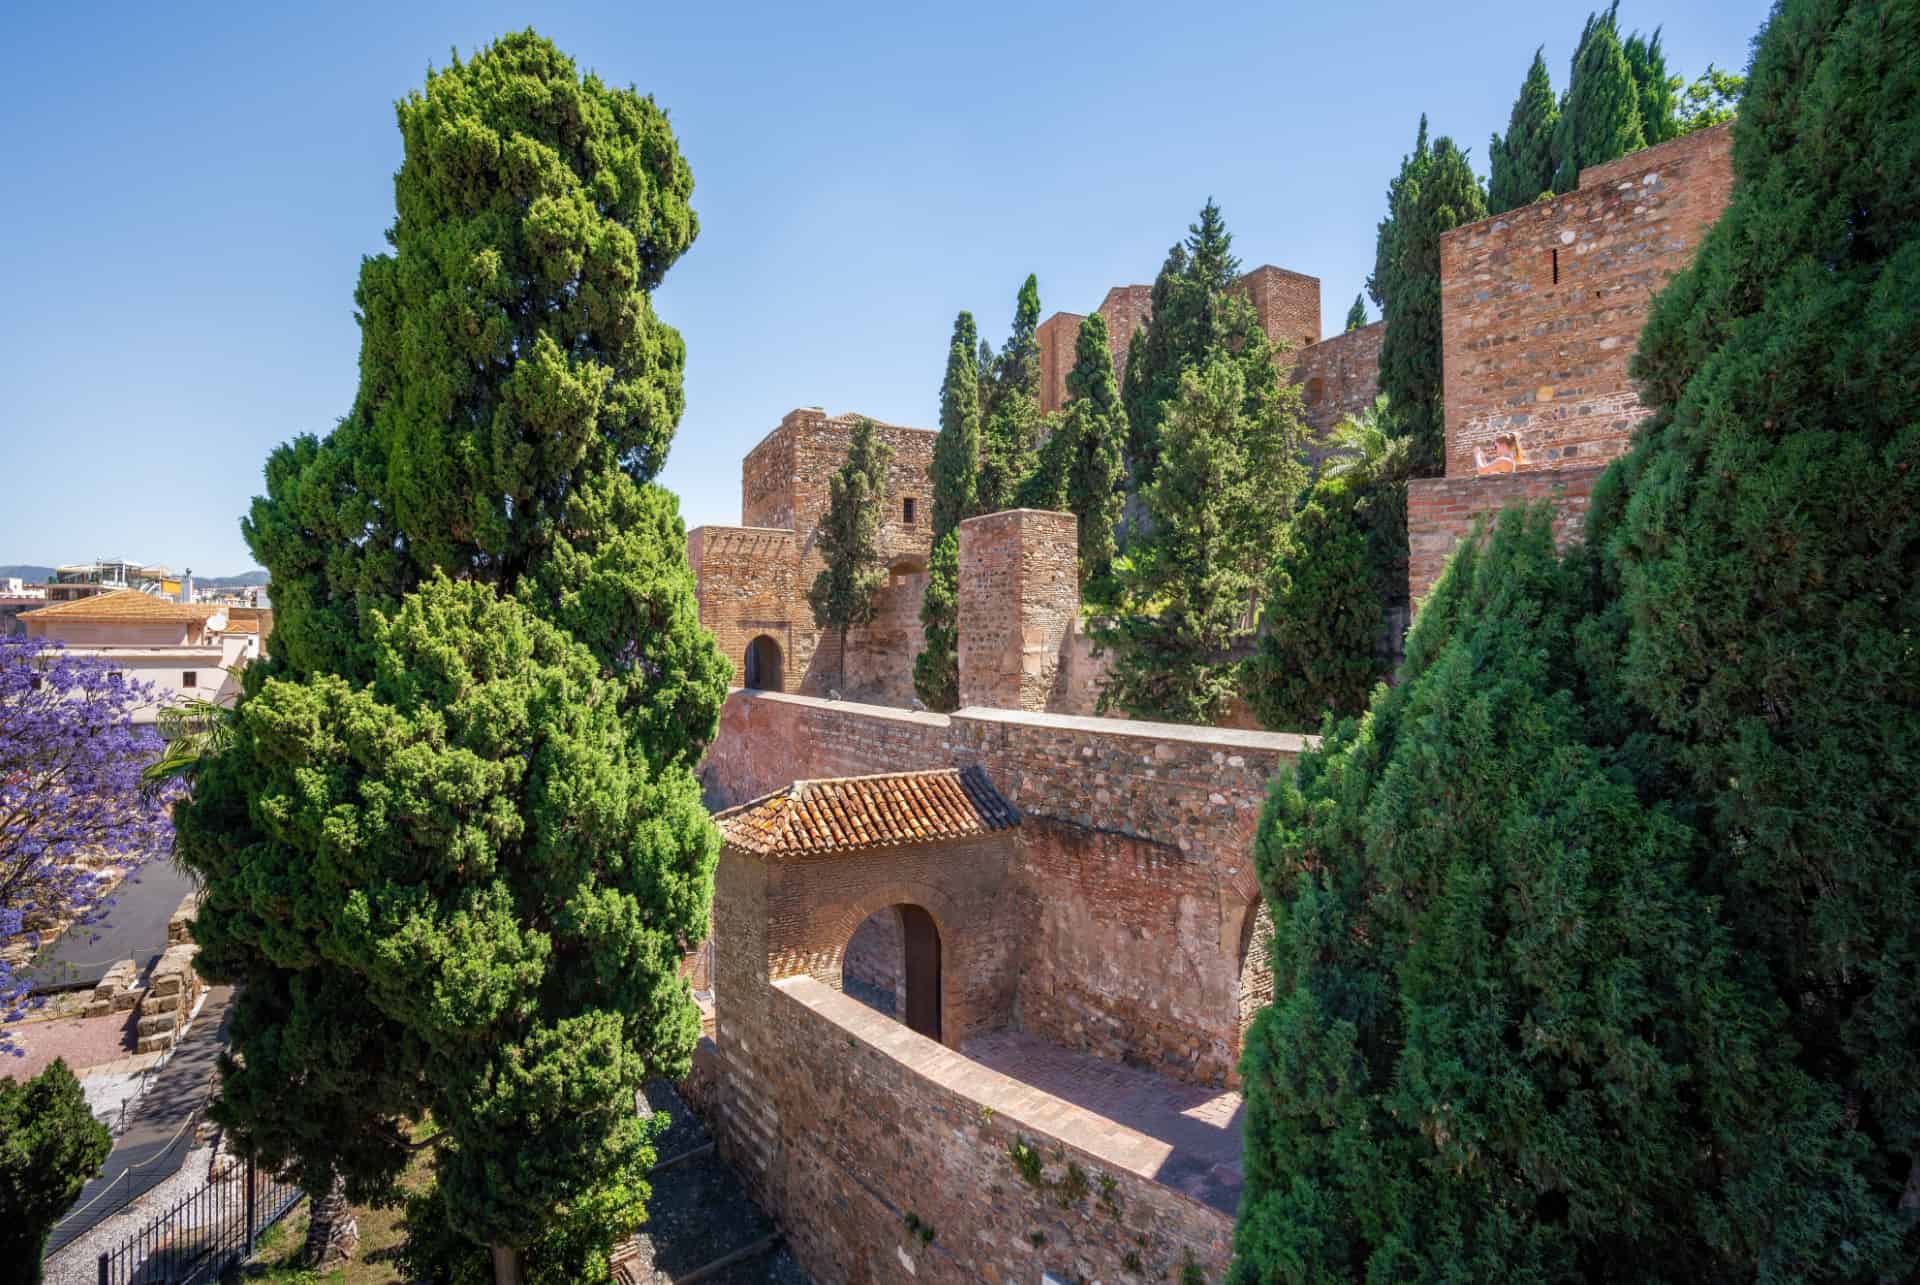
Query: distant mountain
[[32, 574]]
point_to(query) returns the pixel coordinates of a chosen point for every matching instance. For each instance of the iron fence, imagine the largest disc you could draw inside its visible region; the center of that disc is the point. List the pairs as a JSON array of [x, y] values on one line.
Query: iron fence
[[197, 1238]]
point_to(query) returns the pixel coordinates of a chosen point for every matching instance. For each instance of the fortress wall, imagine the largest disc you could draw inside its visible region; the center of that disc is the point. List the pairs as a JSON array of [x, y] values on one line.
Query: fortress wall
[[1019, 597], [845, 1123], [1442, 510], [743, 578], [1542, 306], [1339, 376], [1288, 304]]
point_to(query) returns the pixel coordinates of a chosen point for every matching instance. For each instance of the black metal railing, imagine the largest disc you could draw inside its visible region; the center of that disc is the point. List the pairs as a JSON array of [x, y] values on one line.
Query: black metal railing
[[196, 1239]]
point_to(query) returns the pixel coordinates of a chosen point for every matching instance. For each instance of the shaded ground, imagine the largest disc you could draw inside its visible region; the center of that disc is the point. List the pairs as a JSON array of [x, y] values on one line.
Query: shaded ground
[[699, 1211], [159, 1128], [1201, 1125], [136, 929]]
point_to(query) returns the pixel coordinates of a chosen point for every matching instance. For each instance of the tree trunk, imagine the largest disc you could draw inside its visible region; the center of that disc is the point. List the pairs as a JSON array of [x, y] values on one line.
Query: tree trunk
[[333, 1233], [506, 1265]]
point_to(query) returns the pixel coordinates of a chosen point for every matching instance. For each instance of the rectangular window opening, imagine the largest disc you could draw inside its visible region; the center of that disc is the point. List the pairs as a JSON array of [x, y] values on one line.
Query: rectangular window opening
[[190, 678], [906, 511]]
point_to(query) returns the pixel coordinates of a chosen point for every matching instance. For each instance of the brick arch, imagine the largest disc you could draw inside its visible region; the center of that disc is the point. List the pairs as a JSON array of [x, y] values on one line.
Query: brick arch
[[947, 916]]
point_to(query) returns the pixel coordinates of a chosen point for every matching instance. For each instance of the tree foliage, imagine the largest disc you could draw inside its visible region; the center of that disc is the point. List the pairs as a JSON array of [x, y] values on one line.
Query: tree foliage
[[1522, 163], [1357, 315], [956, 473], [1197, 315], [50, 1145], [1010, 415], [1595, 952], [1217, 504], [1711, 99], [1093, 434], [1435, 190], [849, 538], [71, 760], [456, 850], [1600, 119], [1659, 93]]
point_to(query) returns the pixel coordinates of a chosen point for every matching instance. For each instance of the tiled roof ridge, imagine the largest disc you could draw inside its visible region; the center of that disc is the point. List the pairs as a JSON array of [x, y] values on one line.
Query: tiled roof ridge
[[829, 814]]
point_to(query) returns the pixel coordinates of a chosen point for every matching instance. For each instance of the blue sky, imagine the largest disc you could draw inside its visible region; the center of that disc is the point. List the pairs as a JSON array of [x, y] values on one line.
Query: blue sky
[[189, 191]]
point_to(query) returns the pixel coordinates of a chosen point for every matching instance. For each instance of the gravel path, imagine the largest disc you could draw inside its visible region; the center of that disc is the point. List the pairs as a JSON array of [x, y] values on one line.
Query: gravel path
[[78, 1263]]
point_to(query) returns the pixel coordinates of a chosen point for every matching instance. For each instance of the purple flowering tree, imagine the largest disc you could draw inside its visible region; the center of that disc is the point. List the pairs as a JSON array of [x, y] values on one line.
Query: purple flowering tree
[[70, 800]]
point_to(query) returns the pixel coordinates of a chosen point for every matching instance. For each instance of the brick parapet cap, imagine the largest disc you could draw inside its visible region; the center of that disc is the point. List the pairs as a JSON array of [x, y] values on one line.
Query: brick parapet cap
[[1220, 738], [1594, 177], [1022, 514], [888, 713], [1356, 335], [1018, 1106]]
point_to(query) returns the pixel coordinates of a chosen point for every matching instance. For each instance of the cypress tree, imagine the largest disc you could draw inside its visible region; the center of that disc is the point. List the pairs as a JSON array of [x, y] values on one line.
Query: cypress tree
[[1094, 428], [1658, 93], [1523, 162], [1435, 190], [1010, 426], [1184, 604], [1600, 119], [455, 850], [1595, 952], [1197, 313], [1357, 315], [842, 593], [50, 1145], [956, 468]]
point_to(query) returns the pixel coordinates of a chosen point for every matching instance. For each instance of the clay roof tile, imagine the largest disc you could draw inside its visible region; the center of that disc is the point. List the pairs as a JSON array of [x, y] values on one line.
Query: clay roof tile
[[850, 813]]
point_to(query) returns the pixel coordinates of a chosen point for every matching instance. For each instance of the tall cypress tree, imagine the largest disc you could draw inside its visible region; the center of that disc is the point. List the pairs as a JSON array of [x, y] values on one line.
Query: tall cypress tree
[[455, 849], [956, 468], [1095, 429], [1595, 952], [1435, 190], [1010, 425], [1659, 93], [1357, 315], [842, 594], [1523, 162], [1600, 119]]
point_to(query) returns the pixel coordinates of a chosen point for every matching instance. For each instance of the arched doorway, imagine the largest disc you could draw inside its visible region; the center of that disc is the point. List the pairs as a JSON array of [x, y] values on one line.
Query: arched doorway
[[764, 670], [892, 965]]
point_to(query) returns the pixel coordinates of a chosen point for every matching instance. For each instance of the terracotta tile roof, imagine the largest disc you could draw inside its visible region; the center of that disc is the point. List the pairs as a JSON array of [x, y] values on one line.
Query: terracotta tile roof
[[857, 812], [238, 626], [126, 604]]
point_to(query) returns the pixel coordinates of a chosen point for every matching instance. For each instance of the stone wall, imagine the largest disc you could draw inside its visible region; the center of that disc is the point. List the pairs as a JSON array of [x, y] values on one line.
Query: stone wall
[[1339, 376], [1019, 597], [1056, 337], [1288, 304], [744, 583], [886, 1157], [1542, 307], [1441, 510]]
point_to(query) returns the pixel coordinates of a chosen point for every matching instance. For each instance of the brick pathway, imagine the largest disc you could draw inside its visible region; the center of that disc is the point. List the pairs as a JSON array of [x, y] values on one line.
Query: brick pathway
[[83, 1041], [1201, 1125]]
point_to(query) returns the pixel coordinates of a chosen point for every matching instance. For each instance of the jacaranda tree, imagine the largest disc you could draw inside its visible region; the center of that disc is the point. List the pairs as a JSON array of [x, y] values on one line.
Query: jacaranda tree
[[455, 851], [70, 799]]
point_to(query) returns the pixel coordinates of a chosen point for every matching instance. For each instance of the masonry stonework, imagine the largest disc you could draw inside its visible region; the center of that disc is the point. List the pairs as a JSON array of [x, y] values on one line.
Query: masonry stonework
[[1339, 376], [1442, 510], [1019, 598]]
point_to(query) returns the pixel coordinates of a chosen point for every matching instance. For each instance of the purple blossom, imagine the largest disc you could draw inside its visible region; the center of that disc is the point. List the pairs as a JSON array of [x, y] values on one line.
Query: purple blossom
[[70, 798]]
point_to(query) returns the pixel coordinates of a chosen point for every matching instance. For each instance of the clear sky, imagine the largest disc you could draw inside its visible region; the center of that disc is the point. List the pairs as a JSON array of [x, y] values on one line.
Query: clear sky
[[186, 193]]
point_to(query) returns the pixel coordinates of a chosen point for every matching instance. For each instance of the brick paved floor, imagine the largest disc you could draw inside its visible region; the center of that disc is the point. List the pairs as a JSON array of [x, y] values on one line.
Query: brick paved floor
[[1201, 1125], [83, 1041]]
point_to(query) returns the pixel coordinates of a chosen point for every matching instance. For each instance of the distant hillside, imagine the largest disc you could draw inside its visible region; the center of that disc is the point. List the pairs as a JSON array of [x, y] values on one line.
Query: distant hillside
[[32, 574]]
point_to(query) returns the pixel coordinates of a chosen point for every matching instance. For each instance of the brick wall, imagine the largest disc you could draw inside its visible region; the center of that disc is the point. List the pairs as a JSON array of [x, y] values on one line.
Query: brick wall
[[1442, 510], [1019, 596], [845, 1123], [1542, 307], [744, 583], [1056, 337], [1288, 304], [1339, 376], [876, 960]]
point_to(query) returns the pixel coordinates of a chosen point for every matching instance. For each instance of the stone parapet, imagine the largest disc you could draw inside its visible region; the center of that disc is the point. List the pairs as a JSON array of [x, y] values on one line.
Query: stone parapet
[[1442, 510]]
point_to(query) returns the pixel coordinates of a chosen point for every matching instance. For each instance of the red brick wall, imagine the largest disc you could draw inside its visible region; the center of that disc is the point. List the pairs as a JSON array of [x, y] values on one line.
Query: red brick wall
[[1542, 365], [1056, 337], [1442, 510], [744, 583], [1339, 376], [844, 1123], [1019, 596], [1288, 304]]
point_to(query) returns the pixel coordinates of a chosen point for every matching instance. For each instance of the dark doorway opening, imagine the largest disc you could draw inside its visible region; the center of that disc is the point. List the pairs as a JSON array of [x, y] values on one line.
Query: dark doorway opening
[[763, 665], [921, 942]]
